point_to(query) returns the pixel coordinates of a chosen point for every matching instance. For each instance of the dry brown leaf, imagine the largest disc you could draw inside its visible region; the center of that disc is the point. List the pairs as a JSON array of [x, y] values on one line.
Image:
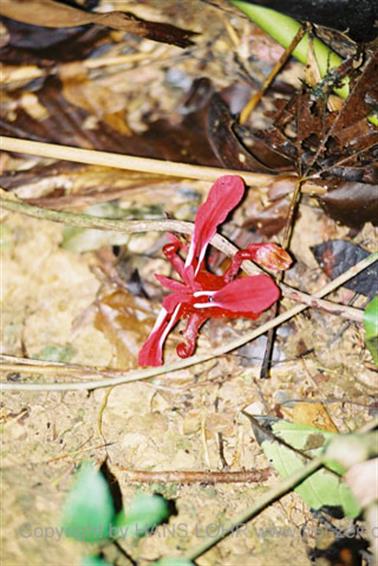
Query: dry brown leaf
[[48, 13], [117, 317], [312, 414]]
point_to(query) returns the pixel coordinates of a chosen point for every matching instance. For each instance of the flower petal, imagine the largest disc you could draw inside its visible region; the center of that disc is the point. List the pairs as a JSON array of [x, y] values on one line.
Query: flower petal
[[186, 348], [247, 294], [171, 284], [224, 195], [151, 353], [171, 301], [269, 255]]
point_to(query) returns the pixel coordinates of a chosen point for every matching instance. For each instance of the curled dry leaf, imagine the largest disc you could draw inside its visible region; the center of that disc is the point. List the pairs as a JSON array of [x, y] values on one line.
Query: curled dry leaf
[[229, 148], [51, 14]]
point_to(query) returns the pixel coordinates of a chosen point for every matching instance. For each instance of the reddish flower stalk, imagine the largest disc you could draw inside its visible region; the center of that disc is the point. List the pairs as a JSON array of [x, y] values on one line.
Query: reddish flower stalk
[[201, 295]]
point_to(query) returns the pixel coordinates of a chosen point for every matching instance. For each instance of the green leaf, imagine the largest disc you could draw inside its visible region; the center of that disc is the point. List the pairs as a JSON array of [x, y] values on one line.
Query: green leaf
[[144, 513], [173, 562], [94, 561], [88, 511], [371, 328], [321, 488], [57, 353]]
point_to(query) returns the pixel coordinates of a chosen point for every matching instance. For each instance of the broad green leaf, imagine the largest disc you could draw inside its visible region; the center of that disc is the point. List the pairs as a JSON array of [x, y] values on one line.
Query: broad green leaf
[[88, 511], [173, 562], [371, 328], [321, 488], [144, 513], [94, 561]]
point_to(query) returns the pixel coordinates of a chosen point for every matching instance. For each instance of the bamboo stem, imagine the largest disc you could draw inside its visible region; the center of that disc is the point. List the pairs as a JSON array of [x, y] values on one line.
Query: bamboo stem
[[129, 162]]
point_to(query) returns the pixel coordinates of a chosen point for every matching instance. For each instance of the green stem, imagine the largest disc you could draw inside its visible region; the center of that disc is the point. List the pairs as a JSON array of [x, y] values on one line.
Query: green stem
[[283, 29]]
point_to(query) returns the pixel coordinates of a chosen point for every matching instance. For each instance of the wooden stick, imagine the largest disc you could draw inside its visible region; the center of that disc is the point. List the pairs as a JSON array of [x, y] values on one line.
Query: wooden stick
[[191, 476], [119, 161]]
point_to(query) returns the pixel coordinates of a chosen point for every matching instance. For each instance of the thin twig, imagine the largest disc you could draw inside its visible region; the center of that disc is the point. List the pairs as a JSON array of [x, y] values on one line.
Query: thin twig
[[137, 375], [190, 476], [29, 366], [141, 164], [344, 311]]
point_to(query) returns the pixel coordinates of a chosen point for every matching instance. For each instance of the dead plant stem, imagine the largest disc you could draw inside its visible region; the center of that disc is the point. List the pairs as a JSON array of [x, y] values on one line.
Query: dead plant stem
[[129, 162]]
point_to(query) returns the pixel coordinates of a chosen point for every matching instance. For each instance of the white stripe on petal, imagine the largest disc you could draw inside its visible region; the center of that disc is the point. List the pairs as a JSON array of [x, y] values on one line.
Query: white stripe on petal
[[206, 305], [203, 293], [170, 324]]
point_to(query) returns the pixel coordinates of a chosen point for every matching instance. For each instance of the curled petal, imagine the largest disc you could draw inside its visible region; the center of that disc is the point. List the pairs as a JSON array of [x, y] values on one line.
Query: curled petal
[[151, 353], [269, 255], [247, 294], [224, 195], [171, 253], [195, 321]]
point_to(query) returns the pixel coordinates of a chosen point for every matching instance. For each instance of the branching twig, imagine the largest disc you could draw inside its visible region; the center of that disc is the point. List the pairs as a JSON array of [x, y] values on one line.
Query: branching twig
[[344, 311]]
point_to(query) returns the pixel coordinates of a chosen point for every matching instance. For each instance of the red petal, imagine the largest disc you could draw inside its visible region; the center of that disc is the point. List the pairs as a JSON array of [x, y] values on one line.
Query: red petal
[[269, 255], [224, 195], [171, 301], [151, 353], [171, 284], [195, 321], [247, 294]]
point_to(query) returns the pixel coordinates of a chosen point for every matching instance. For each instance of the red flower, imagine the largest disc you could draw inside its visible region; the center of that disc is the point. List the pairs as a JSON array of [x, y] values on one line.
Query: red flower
[[201, 294]]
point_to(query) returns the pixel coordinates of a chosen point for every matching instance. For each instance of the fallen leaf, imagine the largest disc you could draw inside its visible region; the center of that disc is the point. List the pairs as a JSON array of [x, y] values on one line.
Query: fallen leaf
[[30, 44], [311, 414], [51, 14], [352, 203], [229, 148], [125, 323], [337, 256], [323, 488]]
